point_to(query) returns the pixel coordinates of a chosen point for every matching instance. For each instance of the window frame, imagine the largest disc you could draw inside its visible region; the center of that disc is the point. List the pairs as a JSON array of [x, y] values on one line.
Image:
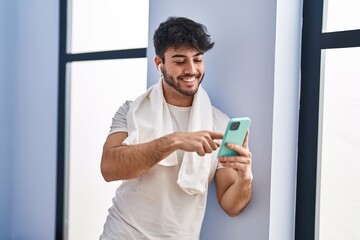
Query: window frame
[[313, 42], [65, 59]]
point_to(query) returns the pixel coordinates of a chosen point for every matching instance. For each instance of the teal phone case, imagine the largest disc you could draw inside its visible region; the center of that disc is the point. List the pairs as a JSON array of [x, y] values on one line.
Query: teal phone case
[[236, 136]]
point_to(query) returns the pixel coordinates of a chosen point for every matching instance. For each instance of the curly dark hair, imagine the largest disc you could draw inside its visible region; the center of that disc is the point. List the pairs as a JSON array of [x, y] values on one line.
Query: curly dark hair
[[178, 32]]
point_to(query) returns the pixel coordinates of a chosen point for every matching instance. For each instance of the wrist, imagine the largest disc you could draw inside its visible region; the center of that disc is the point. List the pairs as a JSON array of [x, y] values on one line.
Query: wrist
[[170, 142], [243, 184]]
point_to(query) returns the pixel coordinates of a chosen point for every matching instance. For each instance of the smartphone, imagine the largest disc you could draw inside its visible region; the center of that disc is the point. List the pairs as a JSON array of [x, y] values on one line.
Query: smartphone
[[235, 133]]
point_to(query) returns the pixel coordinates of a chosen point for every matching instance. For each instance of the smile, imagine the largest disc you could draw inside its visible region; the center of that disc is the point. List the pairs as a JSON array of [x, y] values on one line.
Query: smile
[[188, 79]]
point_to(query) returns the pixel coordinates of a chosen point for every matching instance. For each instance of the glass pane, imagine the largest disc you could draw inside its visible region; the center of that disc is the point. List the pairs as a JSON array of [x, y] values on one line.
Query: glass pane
[[339, 197], [341, 15], [98, 89], [100, 25]]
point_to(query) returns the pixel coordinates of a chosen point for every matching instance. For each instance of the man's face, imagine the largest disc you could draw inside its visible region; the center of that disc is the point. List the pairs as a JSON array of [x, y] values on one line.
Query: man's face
[[183, 70]]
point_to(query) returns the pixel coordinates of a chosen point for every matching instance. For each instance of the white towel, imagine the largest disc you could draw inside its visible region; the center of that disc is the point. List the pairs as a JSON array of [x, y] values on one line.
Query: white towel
[[149, 118]]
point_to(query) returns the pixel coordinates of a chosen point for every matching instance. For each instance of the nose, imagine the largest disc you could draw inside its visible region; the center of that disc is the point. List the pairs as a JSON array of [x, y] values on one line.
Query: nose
[[190, 68]]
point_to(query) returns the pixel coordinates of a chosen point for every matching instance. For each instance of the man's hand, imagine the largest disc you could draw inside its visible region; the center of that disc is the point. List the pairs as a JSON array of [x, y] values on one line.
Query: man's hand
[[234, 182], [240, 163], [201, 142]]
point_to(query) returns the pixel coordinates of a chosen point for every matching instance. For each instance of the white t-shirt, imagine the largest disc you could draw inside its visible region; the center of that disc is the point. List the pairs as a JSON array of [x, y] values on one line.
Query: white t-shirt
[[153, 206]]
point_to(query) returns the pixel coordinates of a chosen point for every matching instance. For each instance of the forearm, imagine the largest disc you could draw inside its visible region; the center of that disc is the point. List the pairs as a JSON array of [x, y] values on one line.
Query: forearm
[[236, 197], [129, 161], [120, 161]]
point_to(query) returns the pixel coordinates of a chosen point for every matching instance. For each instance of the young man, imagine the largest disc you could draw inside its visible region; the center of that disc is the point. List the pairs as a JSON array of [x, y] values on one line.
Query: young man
[[164, 145]]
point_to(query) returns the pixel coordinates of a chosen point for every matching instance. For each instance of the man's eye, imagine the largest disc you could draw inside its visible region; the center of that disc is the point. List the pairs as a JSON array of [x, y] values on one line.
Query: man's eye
[[198, 60], [179, 63]]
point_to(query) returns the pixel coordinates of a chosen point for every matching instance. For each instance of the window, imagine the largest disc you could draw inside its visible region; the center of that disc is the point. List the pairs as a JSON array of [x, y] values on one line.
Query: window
[[102, 64], [108, 25], [341, 15], [338, 200], [328, 196]]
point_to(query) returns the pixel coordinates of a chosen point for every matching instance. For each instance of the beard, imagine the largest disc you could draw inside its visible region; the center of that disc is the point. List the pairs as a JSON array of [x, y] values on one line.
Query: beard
[[171, 82]]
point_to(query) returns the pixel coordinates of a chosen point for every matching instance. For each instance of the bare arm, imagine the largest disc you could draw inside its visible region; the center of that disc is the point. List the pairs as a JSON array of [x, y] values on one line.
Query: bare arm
[[234, 182], [120, 161]]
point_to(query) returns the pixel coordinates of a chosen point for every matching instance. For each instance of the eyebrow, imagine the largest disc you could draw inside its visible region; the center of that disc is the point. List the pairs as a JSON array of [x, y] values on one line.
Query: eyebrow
[[182, 56]]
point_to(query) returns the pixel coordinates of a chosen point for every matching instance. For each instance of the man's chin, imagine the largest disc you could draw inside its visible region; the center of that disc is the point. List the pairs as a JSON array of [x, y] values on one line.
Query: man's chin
[[183, 87], [189, 92]]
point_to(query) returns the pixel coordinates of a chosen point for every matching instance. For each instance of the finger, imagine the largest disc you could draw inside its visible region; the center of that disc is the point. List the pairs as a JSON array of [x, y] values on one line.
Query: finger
[[207, 147], [213, 145], [211, 142], [246, 141], [216, 135], [235, 165], [201, 152], [235, 159], [239, 149]]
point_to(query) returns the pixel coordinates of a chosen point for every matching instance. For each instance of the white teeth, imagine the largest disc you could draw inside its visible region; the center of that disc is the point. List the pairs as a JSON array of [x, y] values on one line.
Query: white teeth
[[189, 79]]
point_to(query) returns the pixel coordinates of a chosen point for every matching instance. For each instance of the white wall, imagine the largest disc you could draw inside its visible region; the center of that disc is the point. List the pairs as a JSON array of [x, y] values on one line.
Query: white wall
[[30, 42], [7, 51], [240, 81], [242, 61], [285, 119], [244, 78]]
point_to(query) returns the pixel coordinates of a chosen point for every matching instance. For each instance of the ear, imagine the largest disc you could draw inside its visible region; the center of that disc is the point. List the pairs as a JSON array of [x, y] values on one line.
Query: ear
[[160, 71], [157, 61]]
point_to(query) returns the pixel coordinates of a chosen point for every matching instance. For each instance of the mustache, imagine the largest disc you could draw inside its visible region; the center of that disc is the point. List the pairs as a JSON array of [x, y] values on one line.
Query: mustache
[[189, 75]]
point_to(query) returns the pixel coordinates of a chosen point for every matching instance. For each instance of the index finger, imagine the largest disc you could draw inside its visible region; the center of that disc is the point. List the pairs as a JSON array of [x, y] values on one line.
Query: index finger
[[216, 135]]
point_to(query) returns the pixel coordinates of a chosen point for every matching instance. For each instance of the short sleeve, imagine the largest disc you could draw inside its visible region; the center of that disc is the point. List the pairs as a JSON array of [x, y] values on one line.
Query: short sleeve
[[119, 123]]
